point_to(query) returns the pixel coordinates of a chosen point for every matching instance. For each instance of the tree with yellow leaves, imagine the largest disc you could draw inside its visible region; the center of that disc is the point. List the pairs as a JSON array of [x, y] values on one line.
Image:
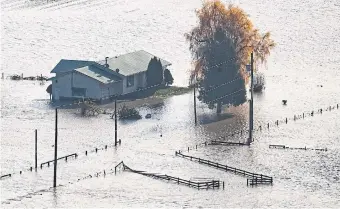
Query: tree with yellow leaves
[[221, 45]]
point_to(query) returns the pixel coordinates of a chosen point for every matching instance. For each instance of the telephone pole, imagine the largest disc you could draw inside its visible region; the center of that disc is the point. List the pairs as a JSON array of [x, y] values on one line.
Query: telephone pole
[[116, 122], [195, 103], [251, 105], [55, 149]]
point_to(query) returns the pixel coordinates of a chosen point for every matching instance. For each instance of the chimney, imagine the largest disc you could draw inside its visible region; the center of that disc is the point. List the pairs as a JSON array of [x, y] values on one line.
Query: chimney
[[106, 65]]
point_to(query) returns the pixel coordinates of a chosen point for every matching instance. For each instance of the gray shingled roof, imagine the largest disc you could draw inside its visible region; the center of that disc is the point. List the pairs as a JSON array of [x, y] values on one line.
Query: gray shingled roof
[[132, 63], [98, 74], [69, 65]]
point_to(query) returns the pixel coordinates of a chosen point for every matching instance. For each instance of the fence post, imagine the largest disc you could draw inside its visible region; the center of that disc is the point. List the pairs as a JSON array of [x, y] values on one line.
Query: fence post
[[287, 119], [268, 125], [36, 149]]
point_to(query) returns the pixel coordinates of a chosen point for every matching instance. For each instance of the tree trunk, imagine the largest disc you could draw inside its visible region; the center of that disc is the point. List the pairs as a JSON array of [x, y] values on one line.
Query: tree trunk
[[219, 107]]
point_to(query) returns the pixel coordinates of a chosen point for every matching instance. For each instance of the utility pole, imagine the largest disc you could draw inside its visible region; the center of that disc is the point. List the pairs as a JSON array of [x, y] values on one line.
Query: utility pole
[[55, 149], [36, 149], [251, 105], [195, 101], [116, 122]]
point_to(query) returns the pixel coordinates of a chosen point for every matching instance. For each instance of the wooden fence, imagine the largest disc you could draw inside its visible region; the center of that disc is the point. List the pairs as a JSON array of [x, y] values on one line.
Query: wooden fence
[[214, 142], [65, 157], [212, 184], [254, 178], [276, 146]]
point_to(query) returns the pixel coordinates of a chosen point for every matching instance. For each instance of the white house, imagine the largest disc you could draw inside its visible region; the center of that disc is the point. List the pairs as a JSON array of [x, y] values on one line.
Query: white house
[[101, 79]]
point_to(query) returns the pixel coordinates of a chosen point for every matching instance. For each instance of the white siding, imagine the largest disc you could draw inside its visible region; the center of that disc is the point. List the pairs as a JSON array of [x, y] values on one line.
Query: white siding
[[139, 82], [112, 89], [61, 86], [63, 83], [92, 86]]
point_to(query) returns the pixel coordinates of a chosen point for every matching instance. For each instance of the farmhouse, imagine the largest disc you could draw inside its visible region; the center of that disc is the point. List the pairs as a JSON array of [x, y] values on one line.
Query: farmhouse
[[101, 80]]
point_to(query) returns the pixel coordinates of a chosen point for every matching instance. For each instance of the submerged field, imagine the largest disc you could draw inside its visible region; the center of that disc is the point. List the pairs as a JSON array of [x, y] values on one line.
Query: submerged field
[[35, 37]]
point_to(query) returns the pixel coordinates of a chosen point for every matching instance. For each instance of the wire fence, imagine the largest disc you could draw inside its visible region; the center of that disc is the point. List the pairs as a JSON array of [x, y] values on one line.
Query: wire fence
[[50, 162], [264, 127]]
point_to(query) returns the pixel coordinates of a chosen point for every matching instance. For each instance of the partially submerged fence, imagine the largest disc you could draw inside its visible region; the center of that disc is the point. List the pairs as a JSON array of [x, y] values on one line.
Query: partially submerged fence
[[214, 142], [296, 117], [75, 155], [198, 184], [277, 146], [253, 178]]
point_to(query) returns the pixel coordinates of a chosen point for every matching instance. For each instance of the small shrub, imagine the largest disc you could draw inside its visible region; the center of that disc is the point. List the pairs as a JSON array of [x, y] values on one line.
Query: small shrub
[[129, 113], [89, 108], [15, 77]]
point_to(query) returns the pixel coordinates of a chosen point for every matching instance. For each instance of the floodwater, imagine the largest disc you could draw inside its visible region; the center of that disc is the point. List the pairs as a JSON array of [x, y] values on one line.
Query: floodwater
[[307, 55]]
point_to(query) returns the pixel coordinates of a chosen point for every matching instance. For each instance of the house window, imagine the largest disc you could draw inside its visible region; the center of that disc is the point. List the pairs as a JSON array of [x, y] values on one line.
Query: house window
[[78, 92], [130, 81]]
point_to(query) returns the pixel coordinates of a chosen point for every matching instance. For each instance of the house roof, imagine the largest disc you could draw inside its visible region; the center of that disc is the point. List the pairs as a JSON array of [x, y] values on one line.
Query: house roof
[[131, 63], [98, 74], [69, 65]]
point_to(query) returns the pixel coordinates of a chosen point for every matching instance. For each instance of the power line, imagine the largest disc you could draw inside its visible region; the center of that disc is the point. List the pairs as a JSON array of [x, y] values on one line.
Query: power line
[[226, 83], [227, 95]]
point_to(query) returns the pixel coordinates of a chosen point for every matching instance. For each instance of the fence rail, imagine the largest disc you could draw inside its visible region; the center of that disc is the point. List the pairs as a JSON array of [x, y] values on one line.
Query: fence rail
[[214, 142], [6, 175], [65, 157], [212, 184], [274, 146], [260, 177]]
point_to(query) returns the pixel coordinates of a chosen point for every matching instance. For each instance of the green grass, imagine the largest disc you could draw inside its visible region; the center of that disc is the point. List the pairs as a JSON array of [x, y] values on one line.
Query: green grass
[[171, 91]]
